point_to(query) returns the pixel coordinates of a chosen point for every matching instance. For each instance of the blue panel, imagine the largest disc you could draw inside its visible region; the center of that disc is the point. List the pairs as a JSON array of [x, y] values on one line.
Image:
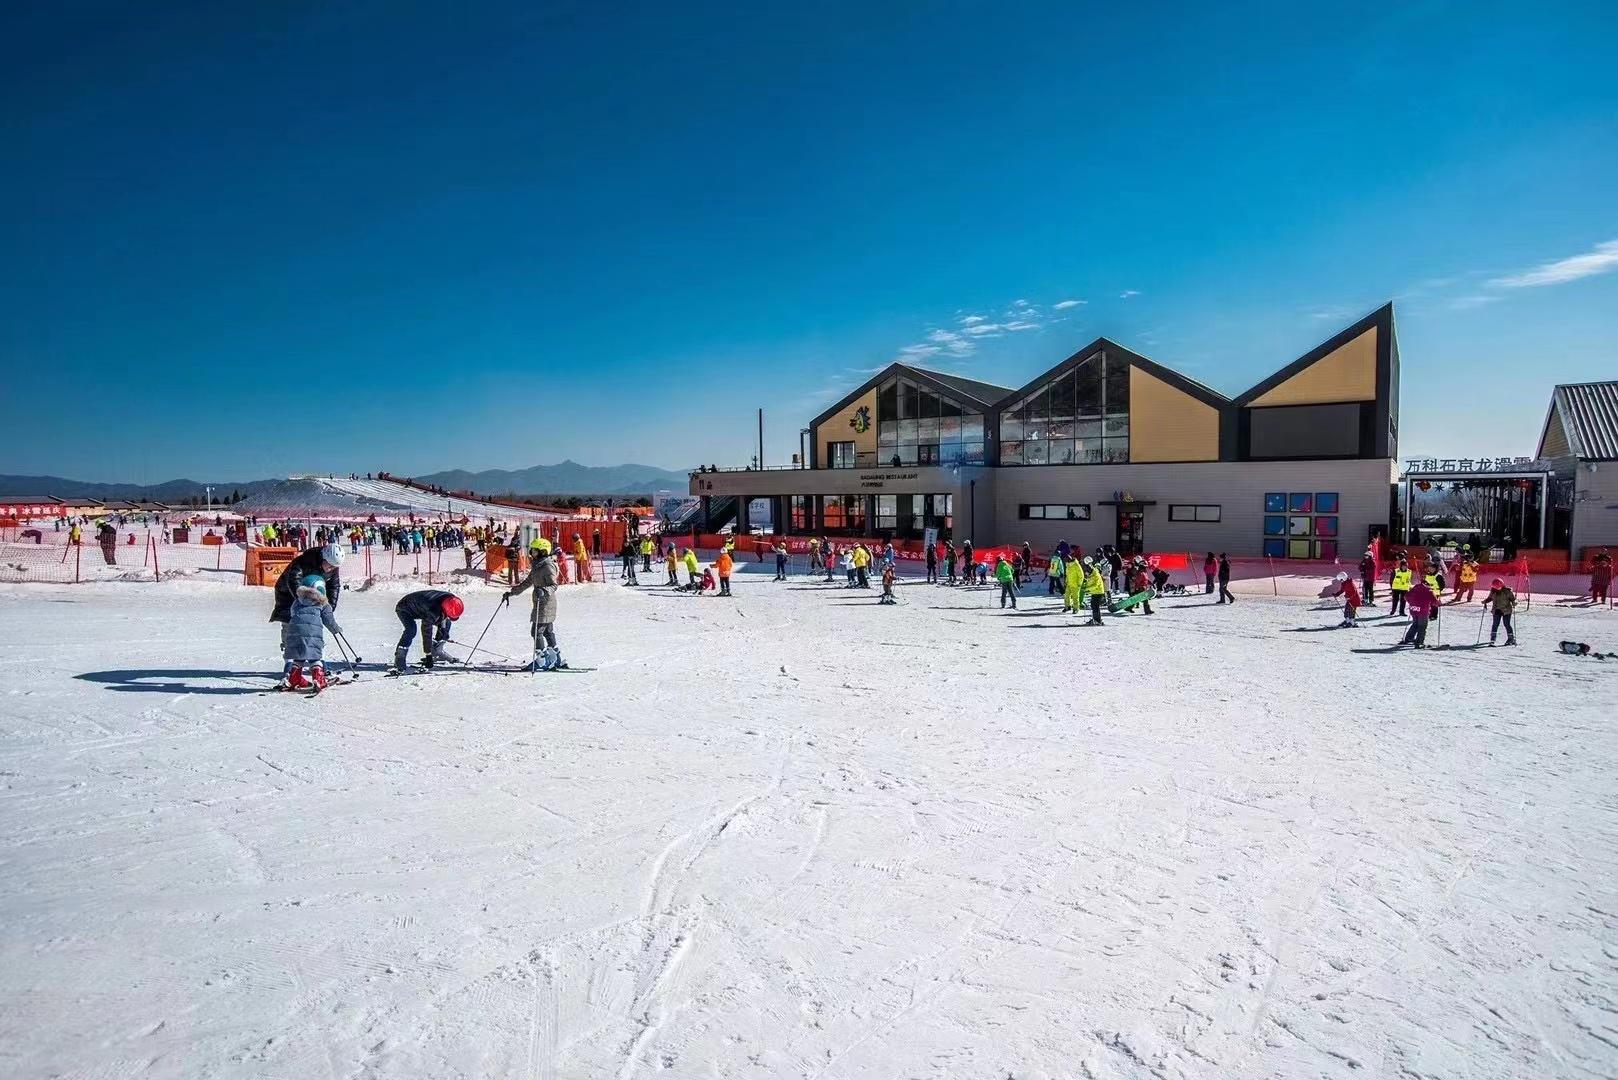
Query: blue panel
[[1275, 525], [1275, 549], [1275, 502], [1325, 502]]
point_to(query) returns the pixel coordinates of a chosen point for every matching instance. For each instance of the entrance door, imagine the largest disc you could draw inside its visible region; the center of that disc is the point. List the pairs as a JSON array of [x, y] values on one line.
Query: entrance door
[[1131, 531]]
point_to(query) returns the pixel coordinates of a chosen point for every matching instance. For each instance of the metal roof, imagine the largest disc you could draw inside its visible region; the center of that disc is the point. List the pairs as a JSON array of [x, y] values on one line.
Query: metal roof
[[981, 393], [1589, 413]]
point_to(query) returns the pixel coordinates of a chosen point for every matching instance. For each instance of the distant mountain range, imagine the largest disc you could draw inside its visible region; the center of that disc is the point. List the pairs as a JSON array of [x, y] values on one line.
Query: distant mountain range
[[168, 491], [566, 478]]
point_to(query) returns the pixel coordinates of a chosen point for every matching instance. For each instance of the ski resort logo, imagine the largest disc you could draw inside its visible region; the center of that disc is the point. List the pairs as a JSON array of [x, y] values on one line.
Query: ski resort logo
[[861, 420]]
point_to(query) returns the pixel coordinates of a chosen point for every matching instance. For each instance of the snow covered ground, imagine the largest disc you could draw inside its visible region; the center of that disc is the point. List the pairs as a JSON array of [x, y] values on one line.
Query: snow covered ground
[[796, 834]]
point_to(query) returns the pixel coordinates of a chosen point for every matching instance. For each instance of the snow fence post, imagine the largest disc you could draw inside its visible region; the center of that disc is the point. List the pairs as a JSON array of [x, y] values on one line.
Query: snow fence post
[[76, 549], [157, 573]]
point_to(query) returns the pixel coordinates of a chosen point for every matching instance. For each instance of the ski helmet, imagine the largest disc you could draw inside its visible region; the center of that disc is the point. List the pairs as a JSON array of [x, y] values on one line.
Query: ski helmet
[[332, 555], [315, 582], [453, 608], [543, 546]]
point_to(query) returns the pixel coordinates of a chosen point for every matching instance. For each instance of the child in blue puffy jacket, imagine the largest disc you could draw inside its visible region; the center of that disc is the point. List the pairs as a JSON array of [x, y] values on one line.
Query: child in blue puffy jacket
[[310, 617]]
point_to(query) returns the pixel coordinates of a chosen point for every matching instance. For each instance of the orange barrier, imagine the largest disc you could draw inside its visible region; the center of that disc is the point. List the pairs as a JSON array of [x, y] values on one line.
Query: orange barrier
[[264, 564]]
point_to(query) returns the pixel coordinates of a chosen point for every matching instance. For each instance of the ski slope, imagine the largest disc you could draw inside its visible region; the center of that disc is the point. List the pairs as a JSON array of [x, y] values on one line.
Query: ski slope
[[797, 834]]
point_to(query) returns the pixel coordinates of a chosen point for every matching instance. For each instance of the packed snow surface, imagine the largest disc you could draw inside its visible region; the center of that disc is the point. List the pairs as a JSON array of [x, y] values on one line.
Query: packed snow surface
[[798, 834]]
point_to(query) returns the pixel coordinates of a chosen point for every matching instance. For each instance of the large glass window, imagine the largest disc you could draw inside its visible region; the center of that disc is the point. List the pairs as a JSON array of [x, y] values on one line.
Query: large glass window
[[1081, 417], [840, 455], [887, 512], [844, 514], [799, 513], [916, 426]]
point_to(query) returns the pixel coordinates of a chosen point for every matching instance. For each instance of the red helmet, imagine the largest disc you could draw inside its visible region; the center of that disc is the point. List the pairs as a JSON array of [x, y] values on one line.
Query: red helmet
[[453, 607]]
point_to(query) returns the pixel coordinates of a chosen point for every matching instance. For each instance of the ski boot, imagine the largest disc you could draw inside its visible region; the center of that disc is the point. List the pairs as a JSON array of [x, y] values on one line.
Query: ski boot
[[400, 658], [295, 680], [317, 675]]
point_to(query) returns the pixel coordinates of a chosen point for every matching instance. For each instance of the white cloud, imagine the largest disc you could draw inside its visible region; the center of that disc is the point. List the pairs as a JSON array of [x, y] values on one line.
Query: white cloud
[[979, 329], [970, 319], [1063, 305], [1127, 293], [1022, 324], [1020, 302], [1476, 300], [1599, 261]]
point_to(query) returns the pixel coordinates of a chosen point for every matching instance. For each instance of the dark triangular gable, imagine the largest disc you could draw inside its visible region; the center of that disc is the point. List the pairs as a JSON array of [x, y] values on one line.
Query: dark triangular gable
[[929, 379], [1202, 393], [1381, 438]]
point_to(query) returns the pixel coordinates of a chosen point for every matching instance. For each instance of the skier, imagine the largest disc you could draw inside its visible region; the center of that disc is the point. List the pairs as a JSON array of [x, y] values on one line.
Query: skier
[[1007, 577], [626, 559], [691, 566], [581, 561], [949, 564], [862, 562], [780, 561], [1399, 585], [1055, 574], [436, 611], [1466, 578], [1351, 601], [107, 537], [1600, 577], [1139, 583], [888, 577], [967, 562], [646, 547], [724, 564], [304, 641], [1210, 569], [1422, 603], [1368, 576], [672, 562], [1225, 596], [542, 619], [1095, 587], [324, 561], [1073, 587], [1503, 602], [932, 564]]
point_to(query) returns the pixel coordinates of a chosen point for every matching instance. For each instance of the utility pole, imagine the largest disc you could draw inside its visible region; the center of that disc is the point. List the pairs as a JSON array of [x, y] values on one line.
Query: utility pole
[[209, 489], [761, 438]]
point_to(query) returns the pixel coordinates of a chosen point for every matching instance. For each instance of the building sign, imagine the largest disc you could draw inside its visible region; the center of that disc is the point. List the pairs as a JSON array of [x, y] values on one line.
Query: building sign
[[876, 480], [861, 420], [1466, 465]]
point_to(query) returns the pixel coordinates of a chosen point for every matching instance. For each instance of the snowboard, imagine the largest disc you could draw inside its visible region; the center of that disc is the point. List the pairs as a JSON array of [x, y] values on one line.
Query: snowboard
[[1128, 602]]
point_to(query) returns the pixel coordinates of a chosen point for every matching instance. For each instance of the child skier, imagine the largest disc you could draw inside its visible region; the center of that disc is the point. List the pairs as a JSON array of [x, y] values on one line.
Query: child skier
[[673, 565], [305, 640], [724, 565], [1422, 603], [1399, 586], [780, 561], [1466, 578], [1502, 601], [888, 577], [1351, 602], [689, 557], [1073, 587], [1139, 582], [542, 579], [949, 564], [1095, 588]]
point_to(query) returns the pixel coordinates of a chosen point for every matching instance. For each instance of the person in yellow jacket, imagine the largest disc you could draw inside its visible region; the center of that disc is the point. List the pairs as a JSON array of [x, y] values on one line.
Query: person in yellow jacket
[[1073, 587], [1466, 579], [724, 564], [1399, 586], [691, 568], [1095, 588], [581, 559], [646, 553], [862, 563], [672, 560]]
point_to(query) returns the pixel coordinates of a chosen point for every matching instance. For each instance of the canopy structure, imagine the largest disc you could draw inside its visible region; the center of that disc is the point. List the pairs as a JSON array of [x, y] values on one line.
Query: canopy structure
[[341, 499]]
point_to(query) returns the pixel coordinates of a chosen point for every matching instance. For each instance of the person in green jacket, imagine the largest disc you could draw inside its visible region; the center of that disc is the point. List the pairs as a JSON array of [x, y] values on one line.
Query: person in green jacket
[[1007, 577], [1056, 574]]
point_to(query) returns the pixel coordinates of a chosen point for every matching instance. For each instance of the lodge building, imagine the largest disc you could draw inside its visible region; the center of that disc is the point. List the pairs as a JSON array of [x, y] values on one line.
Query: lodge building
[[1107, 447]]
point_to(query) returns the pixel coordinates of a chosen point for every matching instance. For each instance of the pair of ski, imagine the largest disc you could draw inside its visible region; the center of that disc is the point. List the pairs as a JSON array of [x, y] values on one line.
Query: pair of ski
[[311, 690], [487, 669]]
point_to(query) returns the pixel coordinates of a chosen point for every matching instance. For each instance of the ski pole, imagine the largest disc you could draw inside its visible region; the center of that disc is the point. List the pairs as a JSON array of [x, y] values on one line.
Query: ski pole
[[504, 601], [1481, 616], [352, 673], [358, 659]]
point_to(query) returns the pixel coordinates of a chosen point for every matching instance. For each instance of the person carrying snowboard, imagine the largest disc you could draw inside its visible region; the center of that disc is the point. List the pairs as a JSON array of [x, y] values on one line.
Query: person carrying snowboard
[[542, 579], [1095, 588], [304, 641], [1502, 601], [436, 611]]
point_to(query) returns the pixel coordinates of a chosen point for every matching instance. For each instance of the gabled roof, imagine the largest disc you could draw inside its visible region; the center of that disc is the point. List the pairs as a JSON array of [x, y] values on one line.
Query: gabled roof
[[1589, 415], [1205, 394], [1382, 318], [30, 500], [981, 394]]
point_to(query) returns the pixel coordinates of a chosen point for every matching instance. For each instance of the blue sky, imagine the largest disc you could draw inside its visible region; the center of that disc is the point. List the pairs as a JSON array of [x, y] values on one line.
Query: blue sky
[[381, 235]]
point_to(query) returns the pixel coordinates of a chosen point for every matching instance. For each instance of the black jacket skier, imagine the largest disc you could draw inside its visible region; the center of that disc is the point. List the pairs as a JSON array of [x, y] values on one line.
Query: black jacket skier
[[322, 561], [436, 610]]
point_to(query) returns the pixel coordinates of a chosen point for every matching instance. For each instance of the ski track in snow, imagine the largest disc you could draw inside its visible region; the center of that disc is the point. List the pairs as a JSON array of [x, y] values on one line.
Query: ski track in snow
[[777, 835]]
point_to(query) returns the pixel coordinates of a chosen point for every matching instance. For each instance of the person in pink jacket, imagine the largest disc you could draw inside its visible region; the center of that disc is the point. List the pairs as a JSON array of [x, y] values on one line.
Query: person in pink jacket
[[1422, 603]]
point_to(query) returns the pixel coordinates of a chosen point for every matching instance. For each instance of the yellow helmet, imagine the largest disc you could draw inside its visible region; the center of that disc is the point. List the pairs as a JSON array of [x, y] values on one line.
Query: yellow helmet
[[541, 544]]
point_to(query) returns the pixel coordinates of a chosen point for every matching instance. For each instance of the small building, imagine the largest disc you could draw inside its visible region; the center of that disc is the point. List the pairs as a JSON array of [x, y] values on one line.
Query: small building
[[1579, 444], [31, 507], [1106, 447]]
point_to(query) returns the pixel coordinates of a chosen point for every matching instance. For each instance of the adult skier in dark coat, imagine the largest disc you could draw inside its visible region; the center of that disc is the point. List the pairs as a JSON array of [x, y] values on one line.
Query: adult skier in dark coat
[[435, 610], [317, 560]]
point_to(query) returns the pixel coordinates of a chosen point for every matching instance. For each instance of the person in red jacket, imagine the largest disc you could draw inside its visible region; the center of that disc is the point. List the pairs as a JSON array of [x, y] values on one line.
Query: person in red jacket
[[1421, 603], [1351, 603]]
